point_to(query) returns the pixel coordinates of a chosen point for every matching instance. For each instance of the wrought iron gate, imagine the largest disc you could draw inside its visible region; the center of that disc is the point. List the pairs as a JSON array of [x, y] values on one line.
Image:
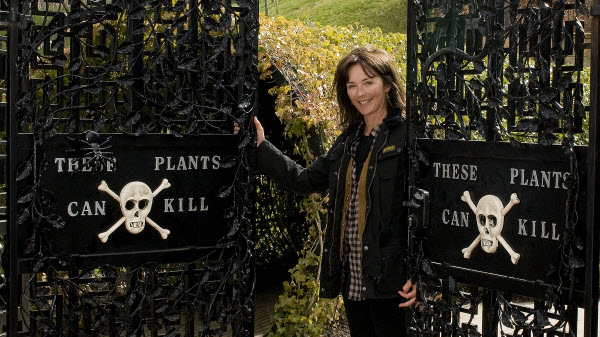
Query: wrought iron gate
[[504, 198], [101, 94]]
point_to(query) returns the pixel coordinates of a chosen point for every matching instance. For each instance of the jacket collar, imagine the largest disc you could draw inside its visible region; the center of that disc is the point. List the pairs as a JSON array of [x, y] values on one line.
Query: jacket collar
[[392, 120]]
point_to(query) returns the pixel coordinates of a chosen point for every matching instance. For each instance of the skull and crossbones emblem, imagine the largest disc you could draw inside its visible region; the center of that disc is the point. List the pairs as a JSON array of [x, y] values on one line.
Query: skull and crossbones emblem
[[490, 213], [136, 202]]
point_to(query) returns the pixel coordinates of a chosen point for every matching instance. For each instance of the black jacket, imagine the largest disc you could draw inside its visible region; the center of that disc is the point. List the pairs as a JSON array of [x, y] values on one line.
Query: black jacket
[[385, 235]]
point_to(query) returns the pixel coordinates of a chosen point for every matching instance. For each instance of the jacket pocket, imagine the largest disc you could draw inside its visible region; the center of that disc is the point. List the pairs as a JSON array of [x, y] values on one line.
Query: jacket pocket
[[391, 164], [392, 276], [390, 187]]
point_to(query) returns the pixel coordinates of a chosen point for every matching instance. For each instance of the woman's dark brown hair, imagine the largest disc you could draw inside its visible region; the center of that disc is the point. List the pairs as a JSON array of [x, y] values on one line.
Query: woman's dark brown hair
[[374, 62]]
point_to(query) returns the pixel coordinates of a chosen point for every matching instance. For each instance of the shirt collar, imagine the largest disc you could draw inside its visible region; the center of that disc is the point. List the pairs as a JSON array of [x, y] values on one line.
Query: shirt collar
[[374, 131]]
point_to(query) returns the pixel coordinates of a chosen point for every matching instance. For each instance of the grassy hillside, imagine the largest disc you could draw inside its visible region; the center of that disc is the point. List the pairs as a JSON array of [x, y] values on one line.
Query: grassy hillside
[[389, 15]]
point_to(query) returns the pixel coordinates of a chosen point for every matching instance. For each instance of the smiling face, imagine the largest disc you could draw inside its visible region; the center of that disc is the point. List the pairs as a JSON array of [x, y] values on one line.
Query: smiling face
[[367, 94]]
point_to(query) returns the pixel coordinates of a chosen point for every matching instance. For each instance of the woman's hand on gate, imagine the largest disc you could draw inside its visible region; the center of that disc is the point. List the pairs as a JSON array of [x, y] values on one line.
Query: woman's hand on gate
[[260, 132], [409, 292]]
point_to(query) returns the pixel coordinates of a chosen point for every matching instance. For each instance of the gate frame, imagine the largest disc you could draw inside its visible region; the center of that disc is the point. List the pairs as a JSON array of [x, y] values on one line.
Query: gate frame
[[593, 193], [12, 131], [16, 268], [490, 317]]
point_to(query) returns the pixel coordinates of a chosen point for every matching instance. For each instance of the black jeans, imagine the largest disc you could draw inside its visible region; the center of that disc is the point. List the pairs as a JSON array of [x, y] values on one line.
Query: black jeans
[[376, 317]]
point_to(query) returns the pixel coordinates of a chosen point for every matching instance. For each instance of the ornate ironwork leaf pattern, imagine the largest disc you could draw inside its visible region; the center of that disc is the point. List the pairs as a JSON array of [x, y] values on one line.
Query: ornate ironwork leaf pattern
[[185, 67], [497, 70]]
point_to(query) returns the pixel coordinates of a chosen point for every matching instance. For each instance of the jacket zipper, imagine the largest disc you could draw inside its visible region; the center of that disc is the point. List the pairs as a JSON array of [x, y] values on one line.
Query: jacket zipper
[[337, 182], [373, 178], [374, 159]]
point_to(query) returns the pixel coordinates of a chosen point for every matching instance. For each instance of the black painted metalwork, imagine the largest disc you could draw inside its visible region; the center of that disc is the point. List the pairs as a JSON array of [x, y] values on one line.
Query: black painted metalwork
[[180, 69], [507, 71], [490, 69], [593, 193]]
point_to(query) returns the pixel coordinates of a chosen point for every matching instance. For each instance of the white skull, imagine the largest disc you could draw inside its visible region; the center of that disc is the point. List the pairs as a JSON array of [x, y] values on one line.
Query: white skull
[[490, 221], [136, 202]]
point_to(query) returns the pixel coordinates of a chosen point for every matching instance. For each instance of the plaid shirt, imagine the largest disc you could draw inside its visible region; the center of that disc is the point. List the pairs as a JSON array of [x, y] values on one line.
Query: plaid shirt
[[352, 243]]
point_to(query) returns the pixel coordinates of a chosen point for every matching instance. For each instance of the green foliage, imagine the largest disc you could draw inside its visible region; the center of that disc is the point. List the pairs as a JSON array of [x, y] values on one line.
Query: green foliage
[[299, 311], [389, 15], [307, 56], [583, 138]]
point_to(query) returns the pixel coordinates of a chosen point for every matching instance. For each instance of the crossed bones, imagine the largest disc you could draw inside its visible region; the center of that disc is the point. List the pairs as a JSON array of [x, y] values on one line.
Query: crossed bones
[[490, 205], [164, 233]]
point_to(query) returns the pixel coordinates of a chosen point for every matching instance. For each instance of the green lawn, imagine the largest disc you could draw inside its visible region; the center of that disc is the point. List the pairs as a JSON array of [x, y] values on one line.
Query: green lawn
[[389, 15]]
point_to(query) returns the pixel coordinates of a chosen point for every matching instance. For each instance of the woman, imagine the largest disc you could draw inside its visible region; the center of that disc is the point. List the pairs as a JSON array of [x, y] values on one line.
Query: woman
[[365, 173]]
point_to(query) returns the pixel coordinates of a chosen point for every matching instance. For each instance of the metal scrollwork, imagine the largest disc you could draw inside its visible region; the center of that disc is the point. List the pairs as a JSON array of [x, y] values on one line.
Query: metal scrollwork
[[499, 70], [91, 68]]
